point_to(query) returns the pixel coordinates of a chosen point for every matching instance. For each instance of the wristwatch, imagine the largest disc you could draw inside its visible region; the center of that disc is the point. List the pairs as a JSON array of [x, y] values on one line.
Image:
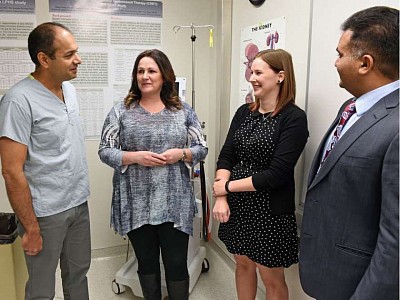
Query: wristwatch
[[227, 187], [183, 158]]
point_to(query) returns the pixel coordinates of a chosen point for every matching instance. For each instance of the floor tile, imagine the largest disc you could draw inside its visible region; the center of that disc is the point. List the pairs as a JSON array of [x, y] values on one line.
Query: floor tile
[[216, 284]]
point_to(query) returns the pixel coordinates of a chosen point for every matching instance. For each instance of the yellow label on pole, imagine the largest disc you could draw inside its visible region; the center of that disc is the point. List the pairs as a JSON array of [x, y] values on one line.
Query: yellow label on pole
[[211, 42]]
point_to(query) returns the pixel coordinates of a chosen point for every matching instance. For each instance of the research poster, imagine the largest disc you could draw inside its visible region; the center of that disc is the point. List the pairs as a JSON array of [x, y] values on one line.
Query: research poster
[[17, 19], [265, 35], [110, 35]]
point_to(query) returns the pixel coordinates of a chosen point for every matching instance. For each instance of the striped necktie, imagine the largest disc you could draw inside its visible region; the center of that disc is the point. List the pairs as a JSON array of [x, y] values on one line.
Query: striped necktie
[[349, 110]]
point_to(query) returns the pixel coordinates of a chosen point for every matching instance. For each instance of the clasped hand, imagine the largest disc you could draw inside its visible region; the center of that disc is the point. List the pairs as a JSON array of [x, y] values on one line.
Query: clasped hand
[[152, 159], [221, 211], [219, 187]]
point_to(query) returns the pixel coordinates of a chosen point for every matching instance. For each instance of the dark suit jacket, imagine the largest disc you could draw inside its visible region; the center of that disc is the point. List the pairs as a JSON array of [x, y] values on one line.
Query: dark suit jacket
[[349, 244]]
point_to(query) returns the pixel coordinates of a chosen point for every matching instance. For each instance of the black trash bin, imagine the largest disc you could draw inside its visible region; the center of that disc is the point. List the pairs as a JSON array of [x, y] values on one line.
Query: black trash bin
[[8, 228]]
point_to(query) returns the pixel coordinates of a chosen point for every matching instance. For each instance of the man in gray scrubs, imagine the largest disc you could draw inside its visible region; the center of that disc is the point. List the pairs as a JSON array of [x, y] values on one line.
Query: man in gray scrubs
[[44, 166]]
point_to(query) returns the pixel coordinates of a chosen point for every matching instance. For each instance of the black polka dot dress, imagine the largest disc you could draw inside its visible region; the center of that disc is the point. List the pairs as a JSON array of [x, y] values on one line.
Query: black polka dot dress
[[269, 240]]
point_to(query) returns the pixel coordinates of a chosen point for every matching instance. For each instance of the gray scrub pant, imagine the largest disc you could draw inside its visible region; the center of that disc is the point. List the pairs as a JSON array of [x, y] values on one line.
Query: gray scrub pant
[[66, 239]]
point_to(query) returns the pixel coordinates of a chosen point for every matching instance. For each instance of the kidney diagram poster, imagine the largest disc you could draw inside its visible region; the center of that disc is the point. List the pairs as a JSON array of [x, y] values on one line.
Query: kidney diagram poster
[[265, 35]]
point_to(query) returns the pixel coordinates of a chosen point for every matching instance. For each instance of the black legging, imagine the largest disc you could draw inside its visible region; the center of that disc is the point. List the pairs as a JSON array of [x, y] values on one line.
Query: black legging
[[147, 242]]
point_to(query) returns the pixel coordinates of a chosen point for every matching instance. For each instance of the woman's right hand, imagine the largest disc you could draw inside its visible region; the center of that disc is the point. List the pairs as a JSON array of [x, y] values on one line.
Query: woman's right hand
[[144, 158], [221, 211]]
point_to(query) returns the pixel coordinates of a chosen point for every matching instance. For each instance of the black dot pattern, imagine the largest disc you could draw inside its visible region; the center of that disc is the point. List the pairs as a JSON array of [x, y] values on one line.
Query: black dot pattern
[[269, 240]]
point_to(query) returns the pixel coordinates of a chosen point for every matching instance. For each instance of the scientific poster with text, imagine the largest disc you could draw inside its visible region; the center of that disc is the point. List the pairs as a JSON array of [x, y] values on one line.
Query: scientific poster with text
[[265, 35], [110, 35], [17, 19]]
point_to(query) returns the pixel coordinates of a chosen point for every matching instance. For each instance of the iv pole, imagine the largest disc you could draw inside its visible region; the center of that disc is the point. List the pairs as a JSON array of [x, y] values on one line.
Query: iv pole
[[204, 202], [193, 38]]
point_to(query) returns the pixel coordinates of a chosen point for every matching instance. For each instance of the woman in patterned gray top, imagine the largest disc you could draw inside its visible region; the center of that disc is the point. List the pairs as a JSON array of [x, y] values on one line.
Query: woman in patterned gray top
[[151, 140]]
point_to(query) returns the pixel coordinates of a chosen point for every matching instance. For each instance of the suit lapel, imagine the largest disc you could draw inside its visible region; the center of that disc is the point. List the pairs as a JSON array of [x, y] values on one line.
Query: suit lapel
[[317, 158], [373, 115]]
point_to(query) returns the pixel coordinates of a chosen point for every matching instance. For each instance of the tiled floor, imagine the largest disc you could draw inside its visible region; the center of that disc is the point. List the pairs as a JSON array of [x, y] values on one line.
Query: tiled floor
[[216, 284]]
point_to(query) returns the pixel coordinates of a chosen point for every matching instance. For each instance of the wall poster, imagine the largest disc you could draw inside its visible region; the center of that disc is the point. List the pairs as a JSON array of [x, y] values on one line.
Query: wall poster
[[17, 19], [110, 35], [265, 35]]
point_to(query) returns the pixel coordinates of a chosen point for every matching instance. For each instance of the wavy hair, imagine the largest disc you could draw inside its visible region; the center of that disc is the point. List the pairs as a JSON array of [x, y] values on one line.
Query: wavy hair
[[168, 94]]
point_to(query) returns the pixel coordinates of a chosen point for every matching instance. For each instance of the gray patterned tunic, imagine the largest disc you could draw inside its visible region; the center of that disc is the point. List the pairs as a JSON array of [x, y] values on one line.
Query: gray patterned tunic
[[151, 195]]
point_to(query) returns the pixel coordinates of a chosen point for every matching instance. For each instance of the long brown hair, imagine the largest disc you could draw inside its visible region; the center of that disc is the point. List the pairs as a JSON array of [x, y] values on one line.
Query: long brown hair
[[168, 94], [279, 60]]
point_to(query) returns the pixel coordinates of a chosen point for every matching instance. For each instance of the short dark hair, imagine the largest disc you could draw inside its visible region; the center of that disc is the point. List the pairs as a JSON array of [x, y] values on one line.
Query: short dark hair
[[375, 31], [168, 94], [41, 39]]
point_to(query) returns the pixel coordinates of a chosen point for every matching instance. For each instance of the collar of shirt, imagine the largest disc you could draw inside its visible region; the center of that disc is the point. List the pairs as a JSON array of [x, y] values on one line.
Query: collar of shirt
[[363, 104], [366, 101]]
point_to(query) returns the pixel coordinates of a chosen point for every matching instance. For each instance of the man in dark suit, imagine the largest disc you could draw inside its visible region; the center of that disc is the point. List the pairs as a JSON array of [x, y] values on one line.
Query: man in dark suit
[[349, 245]]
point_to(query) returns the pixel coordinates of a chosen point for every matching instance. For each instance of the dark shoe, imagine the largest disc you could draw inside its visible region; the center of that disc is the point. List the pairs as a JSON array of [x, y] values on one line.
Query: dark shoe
[[151, 286], [178, 290]]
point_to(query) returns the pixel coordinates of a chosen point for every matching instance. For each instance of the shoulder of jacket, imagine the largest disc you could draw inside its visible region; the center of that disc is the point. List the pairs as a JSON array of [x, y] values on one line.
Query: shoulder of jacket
[[292, 109], [243, 109]]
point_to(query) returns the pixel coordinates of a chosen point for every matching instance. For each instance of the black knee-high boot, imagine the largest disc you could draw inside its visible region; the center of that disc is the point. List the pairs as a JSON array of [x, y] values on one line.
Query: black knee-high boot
[[178, 290], [151, 286]]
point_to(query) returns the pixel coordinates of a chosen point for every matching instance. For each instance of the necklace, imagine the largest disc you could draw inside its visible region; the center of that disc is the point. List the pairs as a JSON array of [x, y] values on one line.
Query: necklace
[[265, 116]]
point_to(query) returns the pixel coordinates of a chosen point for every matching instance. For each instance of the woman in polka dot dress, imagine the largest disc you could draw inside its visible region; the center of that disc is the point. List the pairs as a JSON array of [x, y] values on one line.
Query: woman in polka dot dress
[[254, 183]]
